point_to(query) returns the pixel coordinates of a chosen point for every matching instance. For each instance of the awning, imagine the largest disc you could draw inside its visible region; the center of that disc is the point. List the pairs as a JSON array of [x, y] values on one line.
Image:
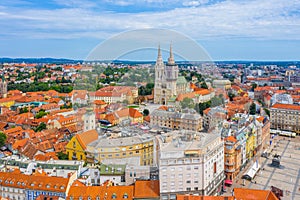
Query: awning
[[229, 182], [252, 171]]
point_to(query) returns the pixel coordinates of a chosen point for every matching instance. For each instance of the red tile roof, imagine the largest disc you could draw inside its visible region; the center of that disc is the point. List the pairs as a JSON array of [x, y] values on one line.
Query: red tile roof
[[146, 189], [87, 137], [286, 106]]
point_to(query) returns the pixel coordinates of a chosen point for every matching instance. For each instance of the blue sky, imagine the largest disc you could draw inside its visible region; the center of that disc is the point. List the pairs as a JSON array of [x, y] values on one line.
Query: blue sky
[[227, 29]]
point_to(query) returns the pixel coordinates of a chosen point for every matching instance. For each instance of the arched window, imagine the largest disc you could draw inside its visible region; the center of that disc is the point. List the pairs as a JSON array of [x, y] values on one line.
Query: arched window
[[125, 196]]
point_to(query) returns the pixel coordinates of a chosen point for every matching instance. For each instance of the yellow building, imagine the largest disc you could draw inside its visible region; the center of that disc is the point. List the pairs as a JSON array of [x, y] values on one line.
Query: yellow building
[[250, 145], [7, 102], [76, 148], [113, 149]]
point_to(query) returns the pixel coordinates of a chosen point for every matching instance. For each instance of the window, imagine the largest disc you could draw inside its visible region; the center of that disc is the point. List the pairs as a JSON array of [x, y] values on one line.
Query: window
[[215, 167], [188, 189], [188, 181], [114, 196], [196, 188], [125, 196]]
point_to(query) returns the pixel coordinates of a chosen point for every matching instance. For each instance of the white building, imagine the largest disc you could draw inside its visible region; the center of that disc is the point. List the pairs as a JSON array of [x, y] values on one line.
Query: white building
[[190, 162], [89, 119]]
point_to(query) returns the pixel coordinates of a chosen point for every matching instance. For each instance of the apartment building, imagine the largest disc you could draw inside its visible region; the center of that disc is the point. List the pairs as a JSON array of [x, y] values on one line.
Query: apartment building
[[15, 185], [123, 147], [232, 158], [188, 119], [115, 94], [212, 117], [285, 117], [190, 162]]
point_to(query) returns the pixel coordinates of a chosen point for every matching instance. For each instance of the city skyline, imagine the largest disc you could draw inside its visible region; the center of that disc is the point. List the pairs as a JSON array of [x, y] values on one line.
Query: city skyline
[[228, 30]]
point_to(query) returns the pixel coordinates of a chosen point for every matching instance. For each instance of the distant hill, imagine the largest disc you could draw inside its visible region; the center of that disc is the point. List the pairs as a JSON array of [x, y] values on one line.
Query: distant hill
[[129, 62], [39, 60]]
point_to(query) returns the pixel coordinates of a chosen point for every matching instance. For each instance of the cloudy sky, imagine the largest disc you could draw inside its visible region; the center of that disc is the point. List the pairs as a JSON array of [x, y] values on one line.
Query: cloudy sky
[[227, 29]]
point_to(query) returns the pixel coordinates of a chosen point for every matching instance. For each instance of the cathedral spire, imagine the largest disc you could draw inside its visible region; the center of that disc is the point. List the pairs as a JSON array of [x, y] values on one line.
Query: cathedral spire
[[159, 59], [171, 58]]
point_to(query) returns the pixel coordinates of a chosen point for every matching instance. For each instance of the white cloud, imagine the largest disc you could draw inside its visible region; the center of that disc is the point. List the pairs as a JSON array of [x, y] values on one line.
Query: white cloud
[[195, 3], [262, 19]]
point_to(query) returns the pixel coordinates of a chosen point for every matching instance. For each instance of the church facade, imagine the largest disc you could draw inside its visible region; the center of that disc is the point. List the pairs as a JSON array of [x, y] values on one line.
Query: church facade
[[168, 84]]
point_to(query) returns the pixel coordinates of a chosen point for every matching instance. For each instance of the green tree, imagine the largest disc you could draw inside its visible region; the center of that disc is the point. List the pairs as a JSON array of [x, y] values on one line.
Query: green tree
[[3, 138], [146, 112], [216, 101], [62, 156], [267, 111], [252, 109], [231, 96], [203, 106], [203, 85], [23, 110], [187, 103], [40, 127], [254, 85], [41, 114]]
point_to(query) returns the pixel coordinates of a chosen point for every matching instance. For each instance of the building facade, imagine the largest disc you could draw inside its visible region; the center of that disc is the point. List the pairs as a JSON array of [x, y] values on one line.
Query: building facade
[[187, 119], [285, 117], [190, 163], [232, 157], [110, 150]]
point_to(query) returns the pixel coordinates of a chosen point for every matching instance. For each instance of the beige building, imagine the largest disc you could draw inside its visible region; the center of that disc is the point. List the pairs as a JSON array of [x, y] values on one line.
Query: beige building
[[285, 117], [223, 84], [212, 117], [167, 82], [115, 94], [190, 163], [123, 147], [187, 119]]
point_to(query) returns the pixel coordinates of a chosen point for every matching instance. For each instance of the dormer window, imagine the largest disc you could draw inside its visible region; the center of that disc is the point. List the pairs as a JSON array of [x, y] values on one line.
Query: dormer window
[[62, 187], [11, 182], [80, 198], [32, 184], [89, 198], [97, 198], [40, 185], [125, 196], [114, 196], [47, 186]]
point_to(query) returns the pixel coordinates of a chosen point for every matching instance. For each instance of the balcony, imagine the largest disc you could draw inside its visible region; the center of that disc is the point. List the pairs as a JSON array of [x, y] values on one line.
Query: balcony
[[230, 163], [229, 170]]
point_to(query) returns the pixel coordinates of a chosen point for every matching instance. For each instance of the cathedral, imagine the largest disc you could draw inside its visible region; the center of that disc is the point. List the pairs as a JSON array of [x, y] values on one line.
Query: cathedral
[[167, 82]]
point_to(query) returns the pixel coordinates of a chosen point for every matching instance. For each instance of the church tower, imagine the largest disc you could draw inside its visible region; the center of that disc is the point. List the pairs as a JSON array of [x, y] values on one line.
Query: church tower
[[167, 84], [159, 78], [3, 88], [172, 73]]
